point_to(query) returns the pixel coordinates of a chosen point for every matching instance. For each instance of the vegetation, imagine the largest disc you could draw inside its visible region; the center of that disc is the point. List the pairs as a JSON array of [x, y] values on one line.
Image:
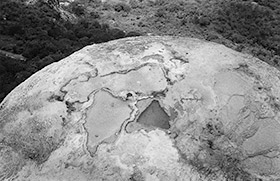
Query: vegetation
[[250, 23], [39, 34], [240, 24]]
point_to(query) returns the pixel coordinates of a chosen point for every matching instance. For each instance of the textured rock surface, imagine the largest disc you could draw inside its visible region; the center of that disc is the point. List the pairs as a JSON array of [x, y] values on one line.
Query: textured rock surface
[[102, 114]]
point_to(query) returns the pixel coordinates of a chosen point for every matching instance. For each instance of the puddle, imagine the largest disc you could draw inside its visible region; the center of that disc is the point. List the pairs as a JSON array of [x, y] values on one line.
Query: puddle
[[105, 117], [155, 116]]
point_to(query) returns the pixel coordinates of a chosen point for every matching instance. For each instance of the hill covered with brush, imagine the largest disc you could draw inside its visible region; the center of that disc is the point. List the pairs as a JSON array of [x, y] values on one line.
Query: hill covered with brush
[[36, 33]]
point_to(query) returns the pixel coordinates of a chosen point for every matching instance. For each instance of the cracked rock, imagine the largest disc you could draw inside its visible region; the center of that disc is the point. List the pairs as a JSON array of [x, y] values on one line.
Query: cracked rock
[[144, 108]]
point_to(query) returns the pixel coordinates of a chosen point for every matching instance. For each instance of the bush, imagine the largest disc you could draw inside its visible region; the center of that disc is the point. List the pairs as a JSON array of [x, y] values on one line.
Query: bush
[[201, 20], [211, 36], [116, 33], [161, 13], [133, 33], [122, 7], [77, 8], [236, 37], [94, 15]]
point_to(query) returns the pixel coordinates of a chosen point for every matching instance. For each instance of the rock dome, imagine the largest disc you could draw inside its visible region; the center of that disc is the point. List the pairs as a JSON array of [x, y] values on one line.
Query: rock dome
[[144, 108]]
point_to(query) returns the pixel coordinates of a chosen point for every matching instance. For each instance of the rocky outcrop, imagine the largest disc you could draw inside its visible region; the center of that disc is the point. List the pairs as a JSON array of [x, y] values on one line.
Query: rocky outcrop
[[145, 108], [55, 4], [14, 56]]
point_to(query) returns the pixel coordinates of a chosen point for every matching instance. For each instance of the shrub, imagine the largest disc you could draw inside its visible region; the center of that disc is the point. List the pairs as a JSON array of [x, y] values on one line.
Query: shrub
[[201, 20], [77, 8], [161, 13], [116, 33], [133, 33], [122, 7], [211, 36], [238, 38], [94, 15]]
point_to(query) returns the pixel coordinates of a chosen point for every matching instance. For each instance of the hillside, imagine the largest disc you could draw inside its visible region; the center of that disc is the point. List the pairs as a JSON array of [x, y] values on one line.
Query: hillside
[[249, 26], [39, 32]]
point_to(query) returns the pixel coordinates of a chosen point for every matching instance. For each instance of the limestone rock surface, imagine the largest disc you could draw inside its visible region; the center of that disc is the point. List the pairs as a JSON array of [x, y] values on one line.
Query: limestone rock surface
[[144, 108]]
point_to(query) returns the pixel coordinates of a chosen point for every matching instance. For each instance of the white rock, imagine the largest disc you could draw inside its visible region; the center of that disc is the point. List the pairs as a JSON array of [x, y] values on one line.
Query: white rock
[[77, 119]]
